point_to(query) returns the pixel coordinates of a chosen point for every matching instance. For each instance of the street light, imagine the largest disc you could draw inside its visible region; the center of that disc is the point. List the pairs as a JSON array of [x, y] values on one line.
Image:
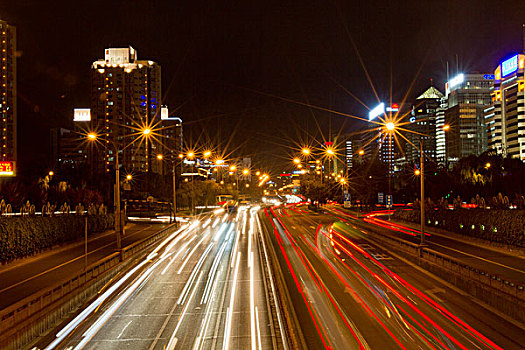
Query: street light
[[305, 151], [417, 172], [173, 165], [296, 160], [487, 165], [93, 137], [51, 173], [446, 127], [129, 177], [206, 154], [361, 152], [390, 126]]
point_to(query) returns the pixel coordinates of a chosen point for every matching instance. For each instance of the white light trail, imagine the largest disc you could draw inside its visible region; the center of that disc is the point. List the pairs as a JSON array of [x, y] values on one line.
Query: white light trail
[[229, 312], [173, 339], [64, 332], [193, 274], [190, 254], [216, 222], [86, 337]]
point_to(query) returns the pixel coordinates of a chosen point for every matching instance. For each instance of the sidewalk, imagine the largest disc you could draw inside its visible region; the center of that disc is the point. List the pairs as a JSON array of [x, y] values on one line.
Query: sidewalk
[[24, 277]]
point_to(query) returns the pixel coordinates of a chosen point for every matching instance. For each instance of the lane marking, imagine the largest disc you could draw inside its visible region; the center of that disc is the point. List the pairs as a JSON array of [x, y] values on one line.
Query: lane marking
[[123, 329], [480, 258]]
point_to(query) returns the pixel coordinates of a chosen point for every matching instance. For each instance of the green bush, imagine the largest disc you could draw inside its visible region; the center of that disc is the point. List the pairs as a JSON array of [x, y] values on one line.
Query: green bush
[[497, 225], [24, 236]]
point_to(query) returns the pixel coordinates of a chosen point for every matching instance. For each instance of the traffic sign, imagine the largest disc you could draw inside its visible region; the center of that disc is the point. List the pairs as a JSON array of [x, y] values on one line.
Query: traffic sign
[[389, 201], [380, 197], [347, 202]]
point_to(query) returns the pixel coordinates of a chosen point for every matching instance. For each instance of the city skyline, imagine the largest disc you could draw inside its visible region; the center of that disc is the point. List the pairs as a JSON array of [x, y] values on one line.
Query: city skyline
[[201, 84]]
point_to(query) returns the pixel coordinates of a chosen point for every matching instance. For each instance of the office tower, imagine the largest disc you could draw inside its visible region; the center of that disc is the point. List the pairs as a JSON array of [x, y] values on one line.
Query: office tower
[[505, 117], [422, 123], [467, 97]]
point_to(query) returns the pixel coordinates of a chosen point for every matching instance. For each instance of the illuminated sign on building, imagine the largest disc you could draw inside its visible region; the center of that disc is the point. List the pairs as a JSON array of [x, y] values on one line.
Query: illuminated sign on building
[[164, 113], [82, 115], [488, 76], [393, 108], [7, 168], [458, 79], [377, 111], [509, 66]]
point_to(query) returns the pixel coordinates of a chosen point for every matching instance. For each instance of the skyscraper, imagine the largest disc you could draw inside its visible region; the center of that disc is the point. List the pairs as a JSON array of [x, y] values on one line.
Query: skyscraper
[[125, 95], [423, 124], [467, 97], [505, 116], [8, 106]]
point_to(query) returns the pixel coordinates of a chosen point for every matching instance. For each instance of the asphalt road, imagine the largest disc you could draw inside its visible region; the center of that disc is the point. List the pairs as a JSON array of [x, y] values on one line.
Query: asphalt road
[[350, 293], [509, 266], [22, 278], [202, 288]]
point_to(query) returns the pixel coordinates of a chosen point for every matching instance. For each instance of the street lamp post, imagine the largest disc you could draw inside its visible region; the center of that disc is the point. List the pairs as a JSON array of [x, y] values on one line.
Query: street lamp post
[[422, 173], [120, 231]]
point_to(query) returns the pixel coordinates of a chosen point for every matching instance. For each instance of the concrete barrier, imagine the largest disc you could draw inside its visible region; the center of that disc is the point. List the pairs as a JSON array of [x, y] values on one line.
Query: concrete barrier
[[24, 321]]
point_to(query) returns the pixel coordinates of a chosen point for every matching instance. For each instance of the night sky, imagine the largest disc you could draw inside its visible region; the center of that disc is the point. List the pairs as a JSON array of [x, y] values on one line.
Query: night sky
[[220, 58]]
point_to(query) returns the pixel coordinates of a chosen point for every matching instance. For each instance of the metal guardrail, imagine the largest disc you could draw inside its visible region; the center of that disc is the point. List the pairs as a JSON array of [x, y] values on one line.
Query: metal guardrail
[[455, 265], [14, 314]]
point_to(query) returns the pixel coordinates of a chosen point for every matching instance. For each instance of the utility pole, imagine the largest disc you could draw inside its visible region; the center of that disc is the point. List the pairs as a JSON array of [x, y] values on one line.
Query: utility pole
[[174, 193]]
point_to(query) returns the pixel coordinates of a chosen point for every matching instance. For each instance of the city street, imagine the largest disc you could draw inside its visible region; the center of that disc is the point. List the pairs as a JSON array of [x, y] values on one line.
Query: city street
[[202, 287], [358, 293]]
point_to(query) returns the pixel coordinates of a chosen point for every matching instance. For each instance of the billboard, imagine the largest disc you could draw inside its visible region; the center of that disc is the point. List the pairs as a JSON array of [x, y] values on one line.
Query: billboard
[[458, 79], [7, 168], [509, 66], [82, 115], [377, 111]]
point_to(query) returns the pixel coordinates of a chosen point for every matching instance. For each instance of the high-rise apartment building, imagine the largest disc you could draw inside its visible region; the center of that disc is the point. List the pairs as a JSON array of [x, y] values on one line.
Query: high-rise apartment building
[[8, 106], [125, 96], [467, 97], [505, 117]]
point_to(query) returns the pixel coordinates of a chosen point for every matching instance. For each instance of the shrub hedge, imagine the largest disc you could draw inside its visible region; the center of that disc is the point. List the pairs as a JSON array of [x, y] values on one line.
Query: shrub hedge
[[25, 236], [497, 225]]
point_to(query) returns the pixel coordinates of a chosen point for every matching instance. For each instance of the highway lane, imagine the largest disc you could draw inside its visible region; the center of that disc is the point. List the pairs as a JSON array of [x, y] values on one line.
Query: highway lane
[[203, 289], [24, 278], [508, 266], [378, 300]]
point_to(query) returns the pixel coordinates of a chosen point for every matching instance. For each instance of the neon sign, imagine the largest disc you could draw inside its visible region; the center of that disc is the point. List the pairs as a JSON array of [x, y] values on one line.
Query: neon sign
[[509, 66], [7, 168]]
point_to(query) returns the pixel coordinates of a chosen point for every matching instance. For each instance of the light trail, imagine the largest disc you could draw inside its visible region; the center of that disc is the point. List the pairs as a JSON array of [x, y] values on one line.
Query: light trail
[[272, 286], [190, 254], [86, 337], [193, 274], [229, 312], [173, 340]]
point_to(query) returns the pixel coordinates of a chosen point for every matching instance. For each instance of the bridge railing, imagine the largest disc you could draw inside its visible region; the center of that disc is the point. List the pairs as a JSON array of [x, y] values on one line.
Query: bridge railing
[[22, 321]]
